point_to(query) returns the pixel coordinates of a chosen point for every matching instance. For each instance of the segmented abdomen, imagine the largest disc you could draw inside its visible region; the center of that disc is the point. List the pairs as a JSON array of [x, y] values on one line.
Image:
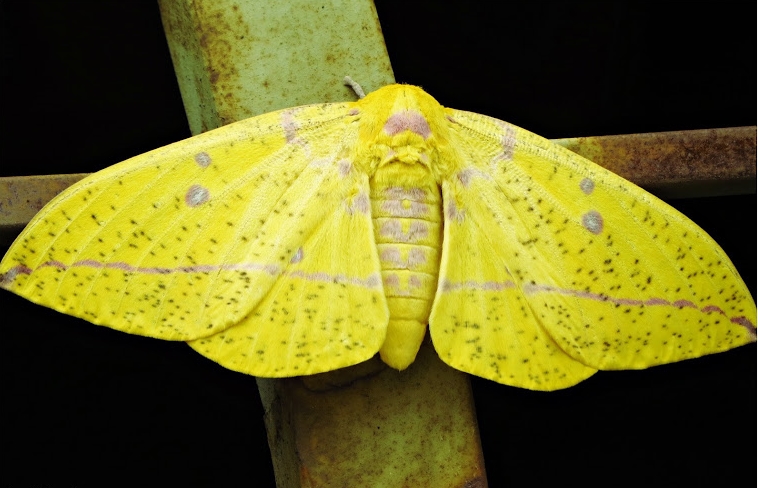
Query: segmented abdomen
[[408, 230]]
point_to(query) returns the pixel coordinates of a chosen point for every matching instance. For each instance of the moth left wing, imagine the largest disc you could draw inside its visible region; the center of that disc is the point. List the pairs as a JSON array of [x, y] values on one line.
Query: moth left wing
[[549, 258]]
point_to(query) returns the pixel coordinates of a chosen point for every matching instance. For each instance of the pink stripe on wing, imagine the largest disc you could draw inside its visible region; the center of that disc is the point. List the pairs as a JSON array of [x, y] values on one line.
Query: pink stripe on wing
[[372, 281], [533, 289]]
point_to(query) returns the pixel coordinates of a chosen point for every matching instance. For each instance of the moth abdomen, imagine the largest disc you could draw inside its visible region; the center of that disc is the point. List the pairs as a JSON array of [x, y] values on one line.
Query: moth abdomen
[[408, 232]]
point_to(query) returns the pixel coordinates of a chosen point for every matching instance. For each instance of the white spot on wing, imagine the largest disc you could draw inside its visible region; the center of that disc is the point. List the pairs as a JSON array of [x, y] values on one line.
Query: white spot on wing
[[196, 196], [593, 222], [203, 159], [298, 256], [587, 186]]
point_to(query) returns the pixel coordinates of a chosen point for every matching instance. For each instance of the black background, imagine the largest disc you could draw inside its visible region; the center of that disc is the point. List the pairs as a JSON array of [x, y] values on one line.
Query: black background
[[87, 84]]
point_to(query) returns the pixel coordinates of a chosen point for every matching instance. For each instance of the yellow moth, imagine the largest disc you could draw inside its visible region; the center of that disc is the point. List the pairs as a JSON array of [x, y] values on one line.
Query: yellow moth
[[309, 239]]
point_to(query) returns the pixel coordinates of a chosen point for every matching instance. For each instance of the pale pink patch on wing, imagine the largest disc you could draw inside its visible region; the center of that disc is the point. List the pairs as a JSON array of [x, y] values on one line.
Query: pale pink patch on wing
[[507, 143], [360, 204], [344, 167], [407, 120], [196, 196], [373, 281], [203, 159], [354, 111], [290, 126], [298, 256], [455, 213], [464, 176]]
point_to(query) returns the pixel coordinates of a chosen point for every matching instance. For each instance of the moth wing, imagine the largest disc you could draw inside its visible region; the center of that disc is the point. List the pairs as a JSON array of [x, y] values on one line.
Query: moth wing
[[480, 322], [188, 240], [613, 276], [326, 310]]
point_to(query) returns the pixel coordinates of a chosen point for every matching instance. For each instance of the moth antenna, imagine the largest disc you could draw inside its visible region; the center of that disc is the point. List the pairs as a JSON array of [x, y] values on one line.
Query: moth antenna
[[355, 86]]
